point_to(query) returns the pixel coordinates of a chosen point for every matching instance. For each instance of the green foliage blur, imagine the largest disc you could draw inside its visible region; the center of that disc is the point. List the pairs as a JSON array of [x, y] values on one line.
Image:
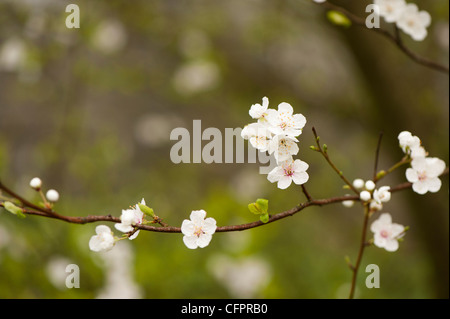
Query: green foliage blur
[[90, 112]]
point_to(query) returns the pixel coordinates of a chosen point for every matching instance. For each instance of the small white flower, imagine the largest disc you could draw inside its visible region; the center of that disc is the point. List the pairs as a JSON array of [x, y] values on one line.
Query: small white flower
[[414, 22], [365, 196], [424, 174], [386, 233], [258, 135], [103, 241], [36, 183], [418, 151], [283, 147], [358, 183], [260, 112], [390, 10], [198, 231], [407, 141], [285, 122], [129, 217], [288, 172], [52, 196], [382, 194]]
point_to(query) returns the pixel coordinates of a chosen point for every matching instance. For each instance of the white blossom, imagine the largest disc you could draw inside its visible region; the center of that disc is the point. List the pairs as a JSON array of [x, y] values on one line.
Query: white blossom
[[380, 196], [386, 233], [289, 171], [424, 174], [258, 111], [258, 135], [285, 122], [411, 145], [103, 241], [414, 22], [390, 10], [283, 147], [198, 231], [130, 217]]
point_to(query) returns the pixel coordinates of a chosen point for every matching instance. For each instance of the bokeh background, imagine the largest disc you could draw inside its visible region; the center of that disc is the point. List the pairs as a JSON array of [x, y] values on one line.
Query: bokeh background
[[90, 111]]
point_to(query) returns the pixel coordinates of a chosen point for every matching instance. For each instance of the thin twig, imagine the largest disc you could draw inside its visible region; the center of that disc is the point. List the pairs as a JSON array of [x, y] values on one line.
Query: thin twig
[[377, 155], [394, 38], [327, 158], [308, 197]]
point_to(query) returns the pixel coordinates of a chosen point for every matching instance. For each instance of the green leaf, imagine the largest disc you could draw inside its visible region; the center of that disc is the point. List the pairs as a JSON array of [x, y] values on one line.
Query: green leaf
[[146, 210], [260, 207], [13, 209], [253, 207], [263, 204], [338, 18], [264, 218]]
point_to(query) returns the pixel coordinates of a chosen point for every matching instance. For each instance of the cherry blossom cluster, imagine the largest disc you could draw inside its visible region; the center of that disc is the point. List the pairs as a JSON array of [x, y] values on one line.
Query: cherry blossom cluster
[[276, 132], [423, 174], [406, 16], [386, 233], [424, 171]]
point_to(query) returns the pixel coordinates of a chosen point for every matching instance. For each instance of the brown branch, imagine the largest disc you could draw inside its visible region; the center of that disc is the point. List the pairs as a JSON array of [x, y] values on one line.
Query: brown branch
[[362, 246], [394, 38], [377, 156], [38, 211]]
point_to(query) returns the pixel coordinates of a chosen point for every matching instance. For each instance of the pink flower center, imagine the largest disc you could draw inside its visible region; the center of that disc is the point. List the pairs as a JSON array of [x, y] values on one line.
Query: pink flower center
[[384, 233], [422, 176], [288, 171], [198, 231]]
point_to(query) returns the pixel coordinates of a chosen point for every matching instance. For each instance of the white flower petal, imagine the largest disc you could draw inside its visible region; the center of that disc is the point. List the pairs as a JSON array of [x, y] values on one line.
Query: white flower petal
[[187, 228], [391, 245], [197, 216], [204, 240], [190, 241], [284, 182], [300, 178], [123, 228], [209, 226], [433, 184]]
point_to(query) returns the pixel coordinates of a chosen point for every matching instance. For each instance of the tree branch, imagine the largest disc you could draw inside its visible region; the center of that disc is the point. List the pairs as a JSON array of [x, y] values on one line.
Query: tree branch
[[394, 38]]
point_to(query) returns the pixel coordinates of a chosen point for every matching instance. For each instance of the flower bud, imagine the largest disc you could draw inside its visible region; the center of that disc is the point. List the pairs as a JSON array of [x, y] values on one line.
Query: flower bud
[[358, 183], [52, 195], [370, 185], [365, 196], [36, 183]]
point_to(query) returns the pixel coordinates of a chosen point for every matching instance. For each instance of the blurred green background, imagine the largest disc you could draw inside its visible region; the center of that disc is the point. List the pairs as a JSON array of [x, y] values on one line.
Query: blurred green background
[[90, 112]]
